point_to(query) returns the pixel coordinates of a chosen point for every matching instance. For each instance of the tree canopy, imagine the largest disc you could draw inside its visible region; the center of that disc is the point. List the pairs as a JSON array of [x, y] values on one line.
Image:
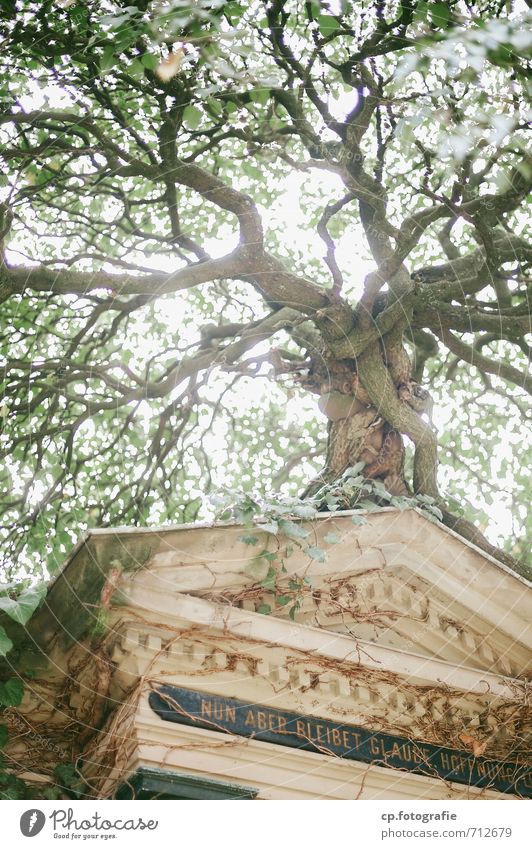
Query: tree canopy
[[215, 214]]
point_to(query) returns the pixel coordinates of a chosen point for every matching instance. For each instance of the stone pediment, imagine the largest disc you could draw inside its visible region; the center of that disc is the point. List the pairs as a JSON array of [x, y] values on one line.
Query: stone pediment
[[404, 629], [399, 581]]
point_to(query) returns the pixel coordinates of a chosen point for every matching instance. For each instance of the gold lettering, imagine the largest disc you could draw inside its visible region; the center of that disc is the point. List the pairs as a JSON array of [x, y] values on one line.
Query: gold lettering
[[300, 728], [458, 763], [396, 752], [230, 714], [218, 711], [250, 719], [445, 761], [345, 735], [337, 737], [205, 708], [356, 738], [261, 720], [318, 733], [374, 746], [406, 752]]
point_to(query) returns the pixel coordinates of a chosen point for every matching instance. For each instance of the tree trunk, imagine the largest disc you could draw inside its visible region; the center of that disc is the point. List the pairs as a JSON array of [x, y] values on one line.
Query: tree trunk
[[357, 432]]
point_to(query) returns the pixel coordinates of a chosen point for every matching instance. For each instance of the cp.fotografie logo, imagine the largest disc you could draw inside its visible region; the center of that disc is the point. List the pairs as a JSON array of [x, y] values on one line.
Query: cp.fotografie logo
[[32, 822]]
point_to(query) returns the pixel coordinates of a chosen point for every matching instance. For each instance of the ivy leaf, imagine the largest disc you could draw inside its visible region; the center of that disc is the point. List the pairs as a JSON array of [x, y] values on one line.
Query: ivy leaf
[[11, 692], [381, 490], [316, 553], [4, 735], [358, 520], [234, 11], [21, 609], [353, 471], [108, 58], [402, 502], [425, 499], [327, 24], [370, 506], [150, 61], [5, 643], [270, 527], [293, 610], [264, 608], [293, 530], [69, 777], [249, 539], [269, 581], [304, 511], [192, 116], [440, 14], [331, 538], [283, 599], [259, 95]]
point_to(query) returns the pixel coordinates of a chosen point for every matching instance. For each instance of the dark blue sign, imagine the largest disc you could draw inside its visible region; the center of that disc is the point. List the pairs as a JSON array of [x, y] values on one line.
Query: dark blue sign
[[202, 710]]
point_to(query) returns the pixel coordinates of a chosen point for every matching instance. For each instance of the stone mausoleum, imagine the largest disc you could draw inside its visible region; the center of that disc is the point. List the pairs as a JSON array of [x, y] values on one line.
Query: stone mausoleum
[[173, 663]]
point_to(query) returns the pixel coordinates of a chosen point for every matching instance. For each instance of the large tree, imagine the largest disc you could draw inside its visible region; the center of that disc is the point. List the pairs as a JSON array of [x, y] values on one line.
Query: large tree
[[164, 314]]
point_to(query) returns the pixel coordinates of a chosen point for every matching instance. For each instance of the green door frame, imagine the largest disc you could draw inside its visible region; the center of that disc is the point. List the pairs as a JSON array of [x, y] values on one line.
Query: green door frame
[[150, 783]]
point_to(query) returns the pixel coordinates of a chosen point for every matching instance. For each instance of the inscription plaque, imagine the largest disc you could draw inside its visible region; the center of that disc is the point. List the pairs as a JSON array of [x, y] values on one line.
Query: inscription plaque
[[310, 733]]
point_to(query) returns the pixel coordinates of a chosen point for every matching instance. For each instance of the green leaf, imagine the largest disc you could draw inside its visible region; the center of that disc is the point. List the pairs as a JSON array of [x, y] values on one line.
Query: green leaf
[[5, 643], [269, 581], [353, 471], [270, 527], [234, 11], [4, 735], [293, 610], [108, 58], [293, 530], [327, 24], [21, 609], [192, 116], [259, 95], [304, 511], [12, 793], [249, 539], [331, 538], [136, 69], [316, 553], [283, 599], [214, 106], [368, 505], [11, 692], [440, 14], [69, 777], [358, 520], [150, 61], [264, 608]]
